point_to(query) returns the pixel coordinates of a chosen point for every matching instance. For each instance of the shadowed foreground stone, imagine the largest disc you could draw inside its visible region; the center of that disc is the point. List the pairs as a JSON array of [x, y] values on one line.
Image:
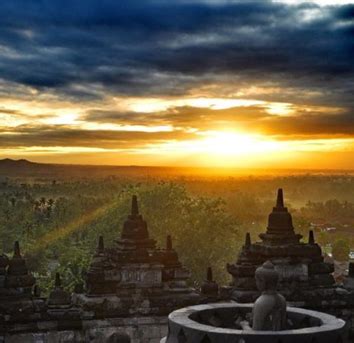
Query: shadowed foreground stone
[[197, 324], [267, 321], [118, 337]]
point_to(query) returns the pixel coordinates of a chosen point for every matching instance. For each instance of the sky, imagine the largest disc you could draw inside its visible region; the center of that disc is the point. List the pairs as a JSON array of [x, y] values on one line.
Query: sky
[[217, 83]]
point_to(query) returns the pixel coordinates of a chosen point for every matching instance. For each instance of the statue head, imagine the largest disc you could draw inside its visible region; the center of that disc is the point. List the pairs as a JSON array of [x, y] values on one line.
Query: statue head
[[267, 277]]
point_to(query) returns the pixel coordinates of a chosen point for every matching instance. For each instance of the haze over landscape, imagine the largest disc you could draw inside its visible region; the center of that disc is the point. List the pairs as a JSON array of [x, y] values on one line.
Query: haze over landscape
[[183, 83]]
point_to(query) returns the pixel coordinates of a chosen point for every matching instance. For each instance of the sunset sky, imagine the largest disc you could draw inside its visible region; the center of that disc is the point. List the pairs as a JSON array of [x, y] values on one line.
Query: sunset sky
[[178, 82]]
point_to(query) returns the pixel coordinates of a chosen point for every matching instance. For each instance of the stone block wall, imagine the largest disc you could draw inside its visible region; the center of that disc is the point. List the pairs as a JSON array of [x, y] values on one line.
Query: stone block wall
[[139, 329]]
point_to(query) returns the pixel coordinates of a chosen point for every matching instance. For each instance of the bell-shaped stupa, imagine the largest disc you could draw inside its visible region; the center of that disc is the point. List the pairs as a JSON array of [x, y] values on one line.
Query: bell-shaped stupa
[[304, 275]]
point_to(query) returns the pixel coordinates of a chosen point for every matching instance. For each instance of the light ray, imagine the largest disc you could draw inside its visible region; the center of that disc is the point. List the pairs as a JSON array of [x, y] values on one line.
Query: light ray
[[64, 231]]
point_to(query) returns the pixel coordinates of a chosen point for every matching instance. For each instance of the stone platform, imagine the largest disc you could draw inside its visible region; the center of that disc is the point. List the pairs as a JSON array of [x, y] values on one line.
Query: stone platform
[[215, 323], [139, 329]]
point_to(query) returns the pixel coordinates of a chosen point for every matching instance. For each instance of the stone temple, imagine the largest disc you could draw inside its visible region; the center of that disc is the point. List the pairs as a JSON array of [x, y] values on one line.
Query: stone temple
[[131, 288], [304, 276], [134, 277]]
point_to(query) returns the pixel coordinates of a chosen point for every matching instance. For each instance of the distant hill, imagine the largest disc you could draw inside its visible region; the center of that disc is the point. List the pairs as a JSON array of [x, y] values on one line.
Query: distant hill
[[27, 169], [9, 163], [24, 168]]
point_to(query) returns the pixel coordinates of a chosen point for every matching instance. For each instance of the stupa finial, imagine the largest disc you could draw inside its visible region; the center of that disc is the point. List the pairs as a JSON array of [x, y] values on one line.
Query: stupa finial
[[351, 269], [210, 274], [311, 237], [209, 287], [169, 242], [36, 291], [280, 199], [17, 251], [248, 240], [135, 207], [57, 283], [100, 247]]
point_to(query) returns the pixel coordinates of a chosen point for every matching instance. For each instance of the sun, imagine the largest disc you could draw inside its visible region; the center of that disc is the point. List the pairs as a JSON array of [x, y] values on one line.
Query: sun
[[220, 148], [226, 143]]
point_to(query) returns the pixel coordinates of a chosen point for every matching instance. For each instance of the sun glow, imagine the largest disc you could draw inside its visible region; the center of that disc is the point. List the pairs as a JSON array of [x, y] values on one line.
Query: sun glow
[[216, 144], [192, 137], [234, 144], [240, 149], [280, 109]]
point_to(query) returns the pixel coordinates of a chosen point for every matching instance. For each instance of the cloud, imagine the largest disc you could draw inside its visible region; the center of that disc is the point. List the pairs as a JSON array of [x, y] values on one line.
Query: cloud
[[89, 54], [64, 136], [311, 125], [159, 47], [304, 122]]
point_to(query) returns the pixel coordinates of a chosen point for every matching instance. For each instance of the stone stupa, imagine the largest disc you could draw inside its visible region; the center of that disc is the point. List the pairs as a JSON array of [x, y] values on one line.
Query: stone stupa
[[304, 276], [134, 277]]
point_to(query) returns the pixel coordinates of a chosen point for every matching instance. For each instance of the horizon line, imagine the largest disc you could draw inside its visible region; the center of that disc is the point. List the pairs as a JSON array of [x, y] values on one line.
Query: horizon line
[[226, 168]]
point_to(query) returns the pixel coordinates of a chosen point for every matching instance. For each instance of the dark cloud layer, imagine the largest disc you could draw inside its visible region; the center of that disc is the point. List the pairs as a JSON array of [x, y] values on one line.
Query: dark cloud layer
[[309, 125], [253, 118], [64, 136], [143, 47]]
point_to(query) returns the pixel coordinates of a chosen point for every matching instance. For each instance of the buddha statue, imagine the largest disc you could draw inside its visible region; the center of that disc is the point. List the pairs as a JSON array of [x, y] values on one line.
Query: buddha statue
[[269, 311]]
